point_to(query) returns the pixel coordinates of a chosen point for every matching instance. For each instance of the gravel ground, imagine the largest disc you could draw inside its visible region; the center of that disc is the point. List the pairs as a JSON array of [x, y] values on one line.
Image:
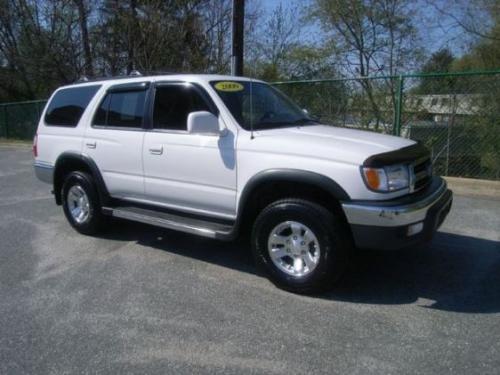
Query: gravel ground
[[140, 299]]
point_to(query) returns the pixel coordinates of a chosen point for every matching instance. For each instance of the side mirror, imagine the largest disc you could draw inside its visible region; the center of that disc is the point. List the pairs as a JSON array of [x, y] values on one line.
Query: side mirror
[[315, 118], [203, 122]]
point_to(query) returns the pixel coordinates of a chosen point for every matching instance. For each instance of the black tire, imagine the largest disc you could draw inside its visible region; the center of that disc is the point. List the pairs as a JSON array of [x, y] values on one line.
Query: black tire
[[94, 222], [331, 232]]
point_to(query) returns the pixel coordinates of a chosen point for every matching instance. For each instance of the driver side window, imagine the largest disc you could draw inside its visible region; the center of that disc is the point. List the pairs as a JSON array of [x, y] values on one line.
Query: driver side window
[[173, 104]]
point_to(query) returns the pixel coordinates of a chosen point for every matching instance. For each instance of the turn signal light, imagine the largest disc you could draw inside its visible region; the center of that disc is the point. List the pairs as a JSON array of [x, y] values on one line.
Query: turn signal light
[[372, 178]]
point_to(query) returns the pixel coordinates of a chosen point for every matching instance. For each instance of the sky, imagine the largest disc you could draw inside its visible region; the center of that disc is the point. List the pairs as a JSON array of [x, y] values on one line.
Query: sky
[[436, 30]]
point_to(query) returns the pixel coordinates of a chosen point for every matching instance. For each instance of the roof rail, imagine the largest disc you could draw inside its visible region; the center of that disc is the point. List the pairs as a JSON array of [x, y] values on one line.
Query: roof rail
[[85, 79], [162, 72], [133, 73]]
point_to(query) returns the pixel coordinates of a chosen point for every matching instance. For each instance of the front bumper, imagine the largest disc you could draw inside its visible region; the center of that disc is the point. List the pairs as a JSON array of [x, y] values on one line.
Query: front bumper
[[400, 222]]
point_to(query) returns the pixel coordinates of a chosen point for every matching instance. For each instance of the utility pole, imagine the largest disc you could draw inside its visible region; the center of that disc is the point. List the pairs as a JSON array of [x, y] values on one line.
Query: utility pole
[[237, 36]]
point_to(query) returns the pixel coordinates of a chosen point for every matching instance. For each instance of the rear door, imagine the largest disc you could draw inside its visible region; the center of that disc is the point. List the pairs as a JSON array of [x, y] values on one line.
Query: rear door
[[62, 127], [189, 172], [114, 139]]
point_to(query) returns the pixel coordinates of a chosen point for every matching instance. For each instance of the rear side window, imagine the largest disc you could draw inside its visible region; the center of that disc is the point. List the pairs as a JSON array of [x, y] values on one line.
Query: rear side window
[[67, 105], [123, 109], [173, 104]]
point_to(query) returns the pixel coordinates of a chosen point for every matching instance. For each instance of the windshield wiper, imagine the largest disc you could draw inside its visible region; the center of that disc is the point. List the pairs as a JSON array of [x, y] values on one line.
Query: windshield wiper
[[303, 121], [283, 124], [270, 125]]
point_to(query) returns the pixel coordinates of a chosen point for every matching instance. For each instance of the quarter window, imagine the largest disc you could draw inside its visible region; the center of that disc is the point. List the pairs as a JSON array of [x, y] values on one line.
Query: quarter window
[[67, 105], [174, 103], [123, 109]]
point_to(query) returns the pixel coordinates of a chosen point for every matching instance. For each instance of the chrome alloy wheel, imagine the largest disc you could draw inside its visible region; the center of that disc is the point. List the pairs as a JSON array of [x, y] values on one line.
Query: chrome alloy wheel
[[294, 248], [78, 204]]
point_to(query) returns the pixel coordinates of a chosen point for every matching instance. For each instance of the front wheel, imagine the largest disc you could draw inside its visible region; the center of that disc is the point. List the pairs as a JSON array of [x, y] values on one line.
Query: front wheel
[[301, 246]]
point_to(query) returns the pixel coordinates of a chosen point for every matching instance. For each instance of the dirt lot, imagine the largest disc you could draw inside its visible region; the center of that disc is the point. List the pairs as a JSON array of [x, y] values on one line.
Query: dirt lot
[[144, 300]]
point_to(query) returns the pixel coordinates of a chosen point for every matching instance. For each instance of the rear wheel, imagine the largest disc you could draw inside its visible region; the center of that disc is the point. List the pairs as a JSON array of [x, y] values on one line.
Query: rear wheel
[[301, 246], [81, 203]]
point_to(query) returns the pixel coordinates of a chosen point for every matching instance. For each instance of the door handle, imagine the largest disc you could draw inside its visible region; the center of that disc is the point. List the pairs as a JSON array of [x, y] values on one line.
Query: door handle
[[91, 144], [156, 151]]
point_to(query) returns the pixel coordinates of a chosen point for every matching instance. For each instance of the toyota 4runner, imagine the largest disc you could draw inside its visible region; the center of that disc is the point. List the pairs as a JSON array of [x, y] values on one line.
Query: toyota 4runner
[[217, 156]]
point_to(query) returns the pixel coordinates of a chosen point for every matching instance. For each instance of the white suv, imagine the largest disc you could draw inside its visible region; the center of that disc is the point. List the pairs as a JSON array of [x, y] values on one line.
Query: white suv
[[216, 156]]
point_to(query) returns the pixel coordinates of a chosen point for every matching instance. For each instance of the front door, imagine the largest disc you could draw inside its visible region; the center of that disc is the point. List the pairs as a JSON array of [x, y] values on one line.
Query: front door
[[188, 172]]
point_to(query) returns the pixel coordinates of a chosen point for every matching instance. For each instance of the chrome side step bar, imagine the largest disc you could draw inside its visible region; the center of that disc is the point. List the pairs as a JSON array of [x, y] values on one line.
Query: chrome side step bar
[[171, 221]]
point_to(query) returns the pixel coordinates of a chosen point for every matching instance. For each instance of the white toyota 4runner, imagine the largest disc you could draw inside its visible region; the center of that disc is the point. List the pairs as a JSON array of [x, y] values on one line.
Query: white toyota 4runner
[[217, 156]]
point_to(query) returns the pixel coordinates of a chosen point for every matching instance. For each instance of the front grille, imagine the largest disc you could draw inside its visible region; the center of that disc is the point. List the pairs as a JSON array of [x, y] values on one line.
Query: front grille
[[422, 171]]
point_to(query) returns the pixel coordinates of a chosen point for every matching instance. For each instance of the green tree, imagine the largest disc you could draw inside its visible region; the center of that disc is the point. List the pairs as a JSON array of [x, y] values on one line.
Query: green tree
[[485, 55], [281, 52], [371, 36], [151, 35], [39, 46], [439, 62]]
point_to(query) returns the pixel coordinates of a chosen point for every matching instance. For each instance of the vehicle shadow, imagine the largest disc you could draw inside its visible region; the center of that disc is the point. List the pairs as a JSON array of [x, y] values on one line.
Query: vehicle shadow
[[235, 255], [453, 273]]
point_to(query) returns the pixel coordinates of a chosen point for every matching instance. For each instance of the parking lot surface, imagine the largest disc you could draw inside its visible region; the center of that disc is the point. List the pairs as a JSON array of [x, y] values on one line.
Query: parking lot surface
[[139, 299]]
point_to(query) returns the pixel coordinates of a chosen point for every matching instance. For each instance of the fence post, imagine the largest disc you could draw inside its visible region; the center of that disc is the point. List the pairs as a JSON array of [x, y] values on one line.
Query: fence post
[[6, 121], [38, 112], [451, 123], [399, 105]]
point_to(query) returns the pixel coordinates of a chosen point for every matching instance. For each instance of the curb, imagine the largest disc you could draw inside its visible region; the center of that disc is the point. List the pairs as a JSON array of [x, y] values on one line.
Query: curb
[[15, 143], [473, 187]]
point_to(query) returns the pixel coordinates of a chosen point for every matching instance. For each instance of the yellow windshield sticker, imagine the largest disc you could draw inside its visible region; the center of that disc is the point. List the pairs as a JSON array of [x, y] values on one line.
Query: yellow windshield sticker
[[229, 86]]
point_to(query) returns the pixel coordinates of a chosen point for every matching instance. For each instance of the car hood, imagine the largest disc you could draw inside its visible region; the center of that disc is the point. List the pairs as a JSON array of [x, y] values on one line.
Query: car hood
[[327, 142]]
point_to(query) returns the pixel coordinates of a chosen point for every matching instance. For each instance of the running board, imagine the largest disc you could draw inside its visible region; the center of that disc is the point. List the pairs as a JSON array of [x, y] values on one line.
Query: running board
[[171, 221]]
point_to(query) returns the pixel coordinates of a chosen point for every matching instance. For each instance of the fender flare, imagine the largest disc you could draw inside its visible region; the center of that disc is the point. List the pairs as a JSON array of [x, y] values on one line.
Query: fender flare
[[291, 175], [92, 166]]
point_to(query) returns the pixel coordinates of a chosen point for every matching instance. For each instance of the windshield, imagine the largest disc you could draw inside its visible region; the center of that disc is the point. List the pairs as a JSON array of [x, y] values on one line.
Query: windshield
[[260, 105]]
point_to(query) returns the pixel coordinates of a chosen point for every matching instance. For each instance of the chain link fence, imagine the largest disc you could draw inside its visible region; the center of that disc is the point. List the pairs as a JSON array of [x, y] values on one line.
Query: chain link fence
[[352, 103], [456, 115], [458, 119], [19, 120]]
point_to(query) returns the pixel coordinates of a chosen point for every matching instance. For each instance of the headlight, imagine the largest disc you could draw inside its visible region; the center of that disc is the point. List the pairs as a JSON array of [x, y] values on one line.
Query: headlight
[[387, 179]]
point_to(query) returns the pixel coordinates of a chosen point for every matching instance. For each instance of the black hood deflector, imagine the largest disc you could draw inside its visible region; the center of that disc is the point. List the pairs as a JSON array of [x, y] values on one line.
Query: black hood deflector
[[403, 155]]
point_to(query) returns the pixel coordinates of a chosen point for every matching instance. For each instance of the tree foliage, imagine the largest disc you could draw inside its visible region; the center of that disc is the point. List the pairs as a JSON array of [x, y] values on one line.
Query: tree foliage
[[46, 43], [439, 62], [371, 37], [281, 51]]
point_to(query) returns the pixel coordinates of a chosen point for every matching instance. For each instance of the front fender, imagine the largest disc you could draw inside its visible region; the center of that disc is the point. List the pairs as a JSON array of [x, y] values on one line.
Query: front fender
[[291, 175]]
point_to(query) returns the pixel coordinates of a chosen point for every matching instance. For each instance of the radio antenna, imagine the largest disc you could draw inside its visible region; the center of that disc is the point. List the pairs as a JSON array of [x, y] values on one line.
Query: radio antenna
[[251, 109]]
